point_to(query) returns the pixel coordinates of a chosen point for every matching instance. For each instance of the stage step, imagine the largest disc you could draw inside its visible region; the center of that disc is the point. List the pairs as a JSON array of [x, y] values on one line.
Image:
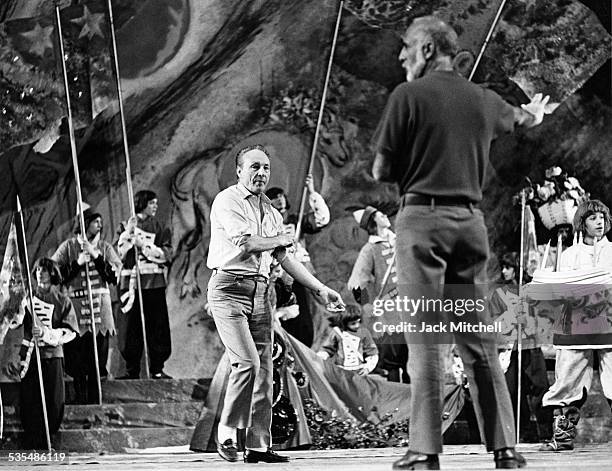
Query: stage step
[[134, 414], [131, 390], [149, 390], [109, 440]]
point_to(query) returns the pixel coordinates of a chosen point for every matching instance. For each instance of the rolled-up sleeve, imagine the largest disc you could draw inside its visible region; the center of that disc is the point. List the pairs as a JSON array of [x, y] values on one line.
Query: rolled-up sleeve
[[229, 214]]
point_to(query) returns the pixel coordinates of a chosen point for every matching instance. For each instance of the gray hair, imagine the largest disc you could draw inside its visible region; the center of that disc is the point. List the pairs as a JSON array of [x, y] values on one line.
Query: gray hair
[[443, 36]]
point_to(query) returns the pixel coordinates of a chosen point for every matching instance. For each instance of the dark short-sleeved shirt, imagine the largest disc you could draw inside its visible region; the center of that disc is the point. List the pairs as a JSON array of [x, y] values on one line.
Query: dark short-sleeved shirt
[[437, 130]]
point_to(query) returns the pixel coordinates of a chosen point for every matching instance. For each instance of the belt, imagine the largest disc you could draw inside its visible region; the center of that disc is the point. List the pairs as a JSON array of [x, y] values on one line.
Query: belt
[[415, 199], [242, 276]]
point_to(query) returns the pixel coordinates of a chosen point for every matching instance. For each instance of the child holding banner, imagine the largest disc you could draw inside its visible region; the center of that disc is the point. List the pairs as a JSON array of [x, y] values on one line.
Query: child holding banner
[[505, 307], [54, 325], [589, 330]]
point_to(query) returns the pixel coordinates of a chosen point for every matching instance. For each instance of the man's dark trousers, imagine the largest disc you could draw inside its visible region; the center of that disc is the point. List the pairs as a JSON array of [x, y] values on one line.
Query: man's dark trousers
[[442, 249]]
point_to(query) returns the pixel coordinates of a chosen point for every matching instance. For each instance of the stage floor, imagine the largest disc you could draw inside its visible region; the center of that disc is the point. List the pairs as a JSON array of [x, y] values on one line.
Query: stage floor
[[458, 457]]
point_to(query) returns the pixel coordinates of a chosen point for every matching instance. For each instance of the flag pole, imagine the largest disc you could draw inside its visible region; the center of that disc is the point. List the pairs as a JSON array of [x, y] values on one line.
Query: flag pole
[[77, 179], [519, 329], [35, 321], [130, 189], [298, 227], [487, 39]]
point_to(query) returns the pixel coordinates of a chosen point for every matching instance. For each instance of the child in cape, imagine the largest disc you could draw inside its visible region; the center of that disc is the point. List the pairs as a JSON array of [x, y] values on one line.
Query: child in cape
[[349, 344]]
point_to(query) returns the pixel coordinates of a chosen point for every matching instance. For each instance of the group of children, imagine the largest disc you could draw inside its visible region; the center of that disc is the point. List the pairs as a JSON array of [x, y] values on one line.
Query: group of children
[[62, 319]]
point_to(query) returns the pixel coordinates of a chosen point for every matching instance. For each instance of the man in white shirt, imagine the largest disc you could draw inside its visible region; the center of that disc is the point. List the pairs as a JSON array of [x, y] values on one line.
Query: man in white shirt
[[246, 234]]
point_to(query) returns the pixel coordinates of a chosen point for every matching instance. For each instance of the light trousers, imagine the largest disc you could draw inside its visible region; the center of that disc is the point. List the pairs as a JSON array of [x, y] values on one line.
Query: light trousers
[[574, 375], [244, 322]]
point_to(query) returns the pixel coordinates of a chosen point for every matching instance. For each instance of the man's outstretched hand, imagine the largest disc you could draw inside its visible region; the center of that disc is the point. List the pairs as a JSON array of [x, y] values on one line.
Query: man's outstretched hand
[[331, 298], [537, 107]]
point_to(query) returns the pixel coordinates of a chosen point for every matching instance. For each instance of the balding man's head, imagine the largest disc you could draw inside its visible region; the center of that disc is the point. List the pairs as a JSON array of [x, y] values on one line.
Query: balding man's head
[[245, 150], [253, 168]]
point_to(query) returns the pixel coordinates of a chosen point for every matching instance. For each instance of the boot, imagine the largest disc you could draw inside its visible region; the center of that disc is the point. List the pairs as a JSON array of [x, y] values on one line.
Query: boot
[[564, 431]]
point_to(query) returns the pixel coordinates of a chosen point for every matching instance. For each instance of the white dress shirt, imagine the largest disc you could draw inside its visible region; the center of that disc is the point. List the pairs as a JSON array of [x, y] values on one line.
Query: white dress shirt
[[236, 213]]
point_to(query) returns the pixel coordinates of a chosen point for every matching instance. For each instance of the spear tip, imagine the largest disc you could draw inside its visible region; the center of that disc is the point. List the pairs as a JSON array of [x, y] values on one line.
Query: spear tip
[[18, 204]]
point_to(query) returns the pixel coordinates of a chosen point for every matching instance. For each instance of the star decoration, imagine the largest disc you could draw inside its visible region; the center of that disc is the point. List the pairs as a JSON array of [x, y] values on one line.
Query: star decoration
[[40, 39], [91, 23]]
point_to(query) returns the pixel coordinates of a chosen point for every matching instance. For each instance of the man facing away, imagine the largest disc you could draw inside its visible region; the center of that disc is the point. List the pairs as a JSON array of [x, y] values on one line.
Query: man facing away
[[246, 234], [434, 140]]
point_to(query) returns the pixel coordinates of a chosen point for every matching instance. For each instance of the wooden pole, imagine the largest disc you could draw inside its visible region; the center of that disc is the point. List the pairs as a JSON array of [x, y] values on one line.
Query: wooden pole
[[519, 329], [487, 39], [35, 321], [313, 153], [77, 179], [128, 179]]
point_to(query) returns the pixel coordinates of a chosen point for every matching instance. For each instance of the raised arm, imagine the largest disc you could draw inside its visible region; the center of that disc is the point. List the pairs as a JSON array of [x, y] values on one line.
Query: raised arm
[[532, 114], [318, 207]]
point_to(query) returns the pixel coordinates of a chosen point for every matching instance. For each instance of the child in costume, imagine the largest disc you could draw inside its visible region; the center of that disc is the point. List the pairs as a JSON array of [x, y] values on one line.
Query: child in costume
[[104, 268], [586, 329], [374, 279], [349, 344], [505, 305], [53, 325], [146, 236]]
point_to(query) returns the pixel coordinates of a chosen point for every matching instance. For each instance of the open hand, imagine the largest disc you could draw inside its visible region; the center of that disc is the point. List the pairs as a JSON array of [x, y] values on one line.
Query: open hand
[[537, 107]]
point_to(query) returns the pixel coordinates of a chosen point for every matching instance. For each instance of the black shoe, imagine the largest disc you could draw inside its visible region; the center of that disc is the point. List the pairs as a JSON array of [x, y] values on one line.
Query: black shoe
[[160, 375], [228, 450], [127, 377], [508, 458], [414, 460], [252, 456]]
